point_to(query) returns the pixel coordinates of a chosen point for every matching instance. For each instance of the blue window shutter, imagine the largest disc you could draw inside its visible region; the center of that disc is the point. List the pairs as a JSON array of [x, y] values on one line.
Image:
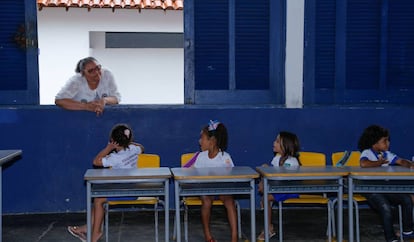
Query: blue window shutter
[[18, 53], [211, 40], [325, 21], [12, 46], [363, 33], [234, 52], [252, 44], [400, 48]]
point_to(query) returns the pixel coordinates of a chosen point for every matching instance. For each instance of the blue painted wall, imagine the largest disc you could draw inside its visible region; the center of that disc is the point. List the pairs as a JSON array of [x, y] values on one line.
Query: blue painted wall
[[59, 145]]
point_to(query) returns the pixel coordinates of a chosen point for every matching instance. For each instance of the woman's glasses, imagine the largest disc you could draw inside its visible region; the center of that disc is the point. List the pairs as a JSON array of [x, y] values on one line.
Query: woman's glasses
[[96, 68]]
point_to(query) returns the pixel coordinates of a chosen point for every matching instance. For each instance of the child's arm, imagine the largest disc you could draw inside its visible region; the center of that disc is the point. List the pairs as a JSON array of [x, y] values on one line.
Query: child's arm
[[98, 159], [370, 163], [140, 145], [405, 163]]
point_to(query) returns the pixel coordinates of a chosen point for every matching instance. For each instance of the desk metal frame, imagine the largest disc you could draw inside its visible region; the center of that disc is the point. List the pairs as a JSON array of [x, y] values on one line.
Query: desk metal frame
[[127, 182], [5, 156], [214, 181], [392, 179], [302, 180]]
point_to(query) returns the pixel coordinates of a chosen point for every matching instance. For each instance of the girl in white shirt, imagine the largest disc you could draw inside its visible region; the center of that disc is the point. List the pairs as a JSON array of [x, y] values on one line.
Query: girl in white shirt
[[213, 143], [286, 147], [120, 153]]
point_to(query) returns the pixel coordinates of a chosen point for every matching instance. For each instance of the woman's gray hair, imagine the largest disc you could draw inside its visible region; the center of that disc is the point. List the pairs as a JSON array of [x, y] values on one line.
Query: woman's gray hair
[[80, 67]]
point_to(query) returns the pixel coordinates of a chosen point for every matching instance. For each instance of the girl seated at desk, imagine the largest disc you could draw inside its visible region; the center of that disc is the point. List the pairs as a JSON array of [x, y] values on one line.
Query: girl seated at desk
[[213, 143], [286, 147], [120, 152]]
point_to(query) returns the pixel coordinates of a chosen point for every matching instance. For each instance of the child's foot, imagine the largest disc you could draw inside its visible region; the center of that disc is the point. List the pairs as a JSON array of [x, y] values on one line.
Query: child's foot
[[262, 234], [211, 240], [96, 237], [76, 232]]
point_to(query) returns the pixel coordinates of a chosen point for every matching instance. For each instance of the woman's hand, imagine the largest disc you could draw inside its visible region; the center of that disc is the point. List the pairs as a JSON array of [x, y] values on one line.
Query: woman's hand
[[97, 106]]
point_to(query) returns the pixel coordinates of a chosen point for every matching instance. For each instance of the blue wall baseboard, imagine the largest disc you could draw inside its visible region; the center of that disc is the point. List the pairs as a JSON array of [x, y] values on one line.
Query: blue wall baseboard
[[59, 145]]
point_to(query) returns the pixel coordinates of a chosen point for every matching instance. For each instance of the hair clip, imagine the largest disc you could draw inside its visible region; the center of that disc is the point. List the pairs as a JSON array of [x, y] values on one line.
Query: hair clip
[[127, 132], [212, 125]]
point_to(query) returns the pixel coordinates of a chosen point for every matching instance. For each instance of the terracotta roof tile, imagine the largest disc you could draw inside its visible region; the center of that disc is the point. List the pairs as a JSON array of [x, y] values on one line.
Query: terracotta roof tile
[[130, 4]]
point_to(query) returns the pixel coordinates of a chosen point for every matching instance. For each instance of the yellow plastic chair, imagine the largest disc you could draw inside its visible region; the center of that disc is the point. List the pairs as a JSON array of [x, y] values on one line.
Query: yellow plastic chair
[[353, 160], [196, 201], [308, 159], [144, 161]]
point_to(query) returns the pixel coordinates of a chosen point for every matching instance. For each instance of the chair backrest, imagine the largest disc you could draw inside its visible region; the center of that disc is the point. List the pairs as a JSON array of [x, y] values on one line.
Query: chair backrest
[[353, 159], [148, 161], [186, 157], [307, 158]]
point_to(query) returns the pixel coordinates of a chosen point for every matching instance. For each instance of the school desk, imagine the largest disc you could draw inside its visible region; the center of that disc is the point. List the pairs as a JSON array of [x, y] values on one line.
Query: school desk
[[390, 179], [127, 183], [5, 156], [302, 180], [214, 181]]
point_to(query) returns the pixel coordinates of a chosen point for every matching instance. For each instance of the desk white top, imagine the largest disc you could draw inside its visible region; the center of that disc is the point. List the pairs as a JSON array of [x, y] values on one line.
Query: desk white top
[[300, 171], [127, 174], [8, 155], [381, 171], [211, 173]]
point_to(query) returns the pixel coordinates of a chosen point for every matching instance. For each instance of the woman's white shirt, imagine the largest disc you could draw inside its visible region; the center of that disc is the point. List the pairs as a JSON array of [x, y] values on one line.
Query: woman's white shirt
[[222, 159], [77, 88]]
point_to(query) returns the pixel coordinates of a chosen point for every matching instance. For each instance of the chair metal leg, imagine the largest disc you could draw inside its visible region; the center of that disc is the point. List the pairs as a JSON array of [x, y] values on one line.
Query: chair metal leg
[[238, 219], [106, 208], [185, 223], [333, 220], [329, 222], [280, 221], [400, 221], [356, 220], [156, 221]]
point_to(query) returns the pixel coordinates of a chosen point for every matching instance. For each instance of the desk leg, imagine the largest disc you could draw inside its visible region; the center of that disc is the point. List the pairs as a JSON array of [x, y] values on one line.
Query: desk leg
[[167, 210], [350, 210], [88, 212], [340, 209], [177, 210], [266, 209], [253, 211]]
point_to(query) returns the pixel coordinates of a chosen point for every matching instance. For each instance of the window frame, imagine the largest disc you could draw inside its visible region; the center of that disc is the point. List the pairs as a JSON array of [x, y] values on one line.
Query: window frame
[[276, 92], [30, 95], [339, 94]]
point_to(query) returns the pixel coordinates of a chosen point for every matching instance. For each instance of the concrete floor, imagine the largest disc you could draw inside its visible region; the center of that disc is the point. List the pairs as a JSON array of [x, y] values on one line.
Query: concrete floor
[[300, 225]]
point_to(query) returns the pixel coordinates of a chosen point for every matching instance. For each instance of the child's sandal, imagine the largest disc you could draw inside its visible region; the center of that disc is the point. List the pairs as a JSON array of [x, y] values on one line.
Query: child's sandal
[[211, 240]]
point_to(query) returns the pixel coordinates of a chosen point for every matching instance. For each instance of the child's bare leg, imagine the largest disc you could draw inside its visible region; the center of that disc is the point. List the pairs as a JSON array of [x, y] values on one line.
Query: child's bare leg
[[270, 199], [231, 215], [207, 202], [98, 218]]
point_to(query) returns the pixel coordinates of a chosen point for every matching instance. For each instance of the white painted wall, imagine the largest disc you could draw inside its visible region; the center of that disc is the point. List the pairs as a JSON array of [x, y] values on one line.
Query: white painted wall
[[294, 53], [144, 76]]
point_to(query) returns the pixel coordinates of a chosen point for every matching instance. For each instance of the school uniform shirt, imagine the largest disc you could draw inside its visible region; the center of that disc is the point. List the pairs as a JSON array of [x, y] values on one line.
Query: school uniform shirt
[[370, 154], [289, 162], [222, 159], [126, 158], [77, 88]]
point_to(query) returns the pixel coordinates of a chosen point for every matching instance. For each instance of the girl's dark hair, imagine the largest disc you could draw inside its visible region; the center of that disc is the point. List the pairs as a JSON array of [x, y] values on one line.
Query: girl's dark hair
[[219, 133], [121, 134], [371, 136], [80, 67], [289, 143]]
